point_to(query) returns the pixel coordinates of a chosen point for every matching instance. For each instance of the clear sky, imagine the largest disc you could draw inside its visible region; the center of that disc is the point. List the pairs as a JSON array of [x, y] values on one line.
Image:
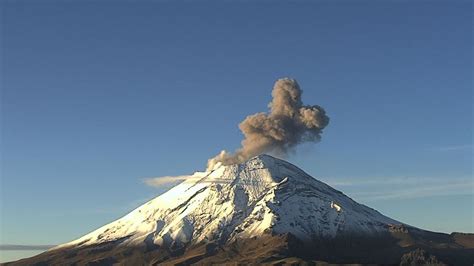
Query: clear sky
[[99, 95]]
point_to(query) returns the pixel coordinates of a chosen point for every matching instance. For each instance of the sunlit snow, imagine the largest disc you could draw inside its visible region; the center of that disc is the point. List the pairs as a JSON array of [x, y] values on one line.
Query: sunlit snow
[[260, 196]]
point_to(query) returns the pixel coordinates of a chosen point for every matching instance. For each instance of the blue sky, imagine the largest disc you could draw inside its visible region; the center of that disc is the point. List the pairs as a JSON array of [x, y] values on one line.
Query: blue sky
[[99, 95]]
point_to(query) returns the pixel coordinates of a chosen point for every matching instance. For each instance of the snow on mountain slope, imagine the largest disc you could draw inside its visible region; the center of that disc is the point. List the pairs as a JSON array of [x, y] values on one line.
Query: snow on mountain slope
[[259, 196]]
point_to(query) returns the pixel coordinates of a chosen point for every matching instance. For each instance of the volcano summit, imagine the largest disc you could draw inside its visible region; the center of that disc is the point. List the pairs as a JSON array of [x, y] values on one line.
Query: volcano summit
[[264, 210]]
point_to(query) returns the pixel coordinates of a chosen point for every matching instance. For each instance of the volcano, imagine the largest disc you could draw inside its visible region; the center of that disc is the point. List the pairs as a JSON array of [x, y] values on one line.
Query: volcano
[[262, 211]]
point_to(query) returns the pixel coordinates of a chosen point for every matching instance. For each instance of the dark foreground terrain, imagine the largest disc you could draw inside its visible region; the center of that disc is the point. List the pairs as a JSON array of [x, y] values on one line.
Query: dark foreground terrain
[[405, 246]]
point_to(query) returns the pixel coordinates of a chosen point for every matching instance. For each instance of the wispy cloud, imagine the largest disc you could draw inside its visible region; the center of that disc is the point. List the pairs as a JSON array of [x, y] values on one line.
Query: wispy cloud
[[388, 188], [455, 147], [390, 180], [461, 188], [172, 180], [165, 180], [25, 247]]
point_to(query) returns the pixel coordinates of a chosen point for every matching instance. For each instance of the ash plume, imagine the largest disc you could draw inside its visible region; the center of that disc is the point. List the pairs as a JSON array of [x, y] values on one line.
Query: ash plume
[[288, 123]]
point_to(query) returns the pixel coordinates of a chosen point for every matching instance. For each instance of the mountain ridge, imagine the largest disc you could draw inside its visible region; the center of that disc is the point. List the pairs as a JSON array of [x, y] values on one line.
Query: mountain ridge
[[219, 213], [249, 192]]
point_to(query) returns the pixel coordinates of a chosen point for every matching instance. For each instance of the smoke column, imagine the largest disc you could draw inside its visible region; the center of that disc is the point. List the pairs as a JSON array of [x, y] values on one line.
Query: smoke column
[[288, 123]]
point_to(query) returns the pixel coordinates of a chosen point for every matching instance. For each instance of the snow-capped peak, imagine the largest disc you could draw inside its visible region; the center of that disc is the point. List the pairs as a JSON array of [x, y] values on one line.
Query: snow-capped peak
[[262, 195]]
